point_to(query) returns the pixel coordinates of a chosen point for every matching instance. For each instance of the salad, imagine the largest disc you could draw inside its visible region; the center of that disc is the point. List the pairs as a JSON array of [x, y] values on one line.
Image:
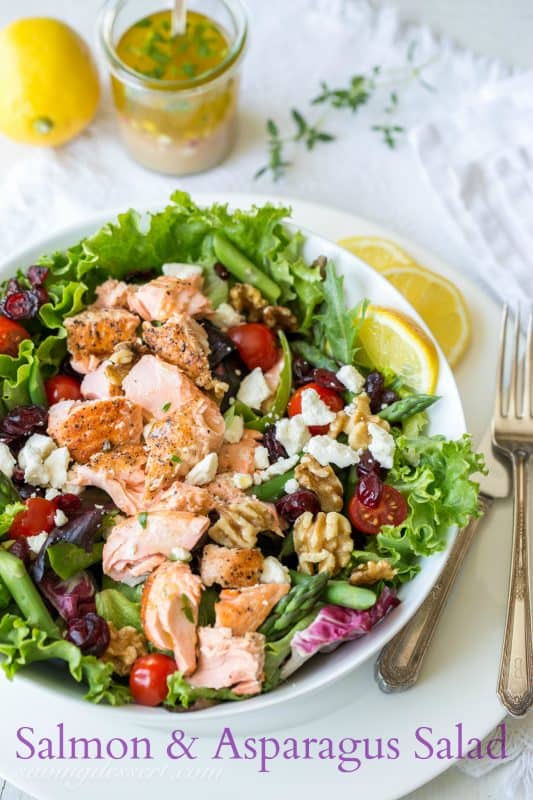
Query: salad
[[203, 481]]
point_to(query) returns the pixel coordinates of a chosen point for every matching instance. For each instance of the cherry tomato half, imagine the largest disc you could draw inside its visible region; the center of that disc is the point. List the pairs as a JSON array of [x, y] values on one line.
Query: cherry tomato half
[[256, 345], [392, 509], [62, 387], [148, 678], [11, 334], [38, 517], [333, 401]]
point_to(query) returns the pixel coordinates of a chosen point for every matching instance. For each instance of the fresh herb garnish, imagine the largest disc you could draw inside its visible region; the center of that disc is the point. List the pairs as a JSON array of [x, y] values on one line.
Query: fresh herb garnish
[[165, 407], [187, 608], [143, 519], [359, 91], [175, 459]]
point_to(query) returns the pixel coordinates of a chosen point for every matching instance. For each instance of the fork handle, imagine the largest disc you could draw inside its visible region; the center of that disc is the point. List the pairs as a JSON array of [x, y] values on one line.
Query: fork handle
[[515, 682], [400, 661]]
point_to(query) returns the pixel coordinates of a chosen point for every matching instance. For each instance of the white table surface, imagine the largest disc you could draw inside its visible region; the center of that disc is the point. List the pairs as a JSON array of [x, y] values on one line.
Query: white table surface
[[492, 27]]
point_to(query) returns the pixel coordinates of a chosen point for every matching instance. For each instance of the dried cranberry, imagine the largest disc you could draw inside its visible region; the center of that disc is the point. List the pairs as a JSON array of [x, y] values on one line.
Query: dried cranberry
[[302, 371], [41, 294], [221, 271], [231, 370], [369, 489], [23, 421], [21, 549], [13, 286], [367, 464], [388, 397], [37, 275], [374, 386], [220, 345], [274, 447], [90, 633], [21, 305], [291, 506], [328, 379], [67, 502]]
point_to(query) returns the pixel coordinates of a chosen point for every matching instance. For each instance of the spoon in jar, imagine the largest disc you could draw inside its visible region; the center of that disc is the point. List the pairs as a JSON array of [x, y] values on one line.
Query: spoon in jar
[[179, 17]]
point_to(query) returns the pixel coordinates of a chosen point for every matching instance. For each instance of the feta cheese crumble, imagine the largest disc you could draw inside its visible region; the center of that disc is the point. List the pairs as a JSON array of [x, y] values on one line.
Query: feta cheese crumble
[[291, 486], [314, 410], [182, 271], [234, 430], [7, 460], [382, 445], [261, 459], [279, 467], [36, 542], [225, 316], [274, 571], [351, 378], [328, 451], [241, 480], [60, 518], [44, 463], [254, 389], [203, 472], [292, 434], [180, 554]]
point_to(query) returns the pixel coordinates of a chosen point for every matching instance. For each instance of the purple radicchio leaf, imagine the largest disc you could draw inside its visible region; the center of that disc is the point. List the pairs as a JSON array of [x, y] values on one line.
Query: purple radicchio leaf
[[81, 530], [71, 598], [334, 625]]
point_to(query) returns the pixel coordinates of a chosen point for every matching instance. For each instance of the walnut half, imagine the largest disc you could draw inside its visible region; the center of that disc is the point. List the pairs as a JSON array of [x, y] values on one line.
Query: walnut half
[[240, 523], [125, 646], [354, 423], [322, 543], [322, 481], [372, 572], [248, 300]]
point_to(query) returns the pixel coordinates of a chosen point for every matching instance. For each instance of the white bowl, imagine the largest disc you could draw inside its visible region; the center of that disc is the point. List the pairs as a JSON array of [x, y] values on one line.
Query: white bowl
[[446, 418]]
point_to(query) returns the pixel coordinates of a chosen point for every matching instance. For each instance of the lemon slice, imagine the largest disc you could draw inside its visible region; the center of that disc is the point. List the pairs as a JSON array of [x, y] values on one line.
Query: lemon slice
[[438, 301], [393, 340]]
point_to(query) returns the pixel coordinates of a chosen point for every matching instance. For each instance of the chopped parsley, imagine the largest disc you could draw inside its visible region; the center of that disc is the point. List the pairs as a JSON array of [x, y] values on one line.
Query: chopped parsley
[[175, 459], [187, 608], [166, 407], [143, 519]]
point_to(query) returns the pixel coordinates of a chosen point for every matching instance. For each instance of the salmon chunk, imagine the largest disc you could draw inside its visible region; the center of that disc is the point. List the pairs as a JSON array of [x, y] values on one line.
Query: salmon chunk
[[138, 545], [97, 386], [226, 661], [161, 298], [119, 472], [159, 387], [93, 334], [178, 441], [240, 456], [169, 612], [182, 496], [88, 427], [245, 609], [183, 342], [112, 294], [231, 566]]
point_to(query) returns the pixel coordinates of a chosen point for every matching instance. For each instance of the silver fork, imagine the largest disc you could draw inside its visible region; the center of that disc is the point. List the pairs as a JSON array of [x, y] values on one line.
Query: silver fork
[[512, 434]]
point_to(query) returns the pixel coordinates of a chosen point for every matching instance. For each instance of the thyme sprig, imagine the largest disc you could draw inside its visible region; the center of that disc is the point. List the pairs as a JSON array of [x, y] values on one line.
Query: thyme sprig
[[358, 92]]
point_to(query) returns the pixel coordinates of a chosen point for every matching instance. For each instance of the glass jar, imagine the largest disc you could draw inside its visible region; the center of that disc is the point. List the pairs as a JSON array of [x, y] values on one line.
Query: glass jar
[[183, 125]]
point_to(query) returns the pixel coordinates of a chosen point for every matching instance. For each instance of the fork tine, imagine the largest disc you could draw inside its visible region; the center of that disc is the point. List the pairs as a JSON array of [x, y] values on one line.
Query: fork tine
[[514, 383], [528, 360], [500, 410]]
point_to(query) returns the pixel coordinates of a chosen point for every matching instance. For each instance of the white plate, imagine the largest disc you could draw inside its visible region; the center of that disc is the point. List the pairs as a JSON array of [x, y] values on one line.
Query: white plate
[[376, 714]]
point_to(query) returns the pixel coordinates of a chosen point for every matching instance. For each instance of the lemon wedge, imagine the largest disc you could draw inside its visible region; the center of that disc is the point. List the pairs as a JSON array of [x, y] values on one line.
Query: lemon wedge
[[392, 339], [438, 301]]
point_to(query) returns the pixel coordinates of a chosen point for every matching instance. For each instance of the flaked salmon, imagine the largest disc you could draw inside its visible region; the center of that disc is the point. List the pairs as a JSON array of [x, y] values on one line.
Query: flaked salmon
[[240, 456], [93, 334], [183, 342], [226, 661], [90, 426], [112, 294], [182, 496], [164, 296], [119, 472], [169, 612], [245, 609], [97, 386], [231, 567], [160, 388], [137, 545]]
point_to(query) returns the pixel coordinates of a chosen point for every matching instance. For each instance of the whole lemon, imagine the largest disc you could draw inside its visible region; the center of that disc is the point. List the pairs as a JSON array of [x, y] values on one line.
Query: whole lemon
[[49, 88]]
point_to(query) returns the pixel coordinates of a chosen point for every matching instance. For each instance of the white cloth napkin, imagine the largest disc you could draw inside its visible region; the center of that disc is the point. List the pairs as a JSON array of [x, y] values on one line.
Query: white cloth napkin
[[478, 160]]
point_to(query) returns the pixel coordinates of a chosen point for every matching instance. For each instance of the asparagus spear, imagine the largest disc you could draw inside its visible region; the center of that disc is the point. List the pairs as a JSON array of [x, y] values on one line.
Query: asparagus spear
[[340, 593], [402, 409], [243, 269], [271, 490], [25, 594], [300, 600], [314, 356]]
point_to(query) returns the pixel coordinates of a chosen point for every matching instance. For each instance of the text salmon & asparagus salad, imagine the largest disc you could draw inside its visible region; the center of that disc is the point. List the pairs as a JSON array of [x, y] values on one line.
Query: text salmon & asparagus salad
[[211, 468]]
